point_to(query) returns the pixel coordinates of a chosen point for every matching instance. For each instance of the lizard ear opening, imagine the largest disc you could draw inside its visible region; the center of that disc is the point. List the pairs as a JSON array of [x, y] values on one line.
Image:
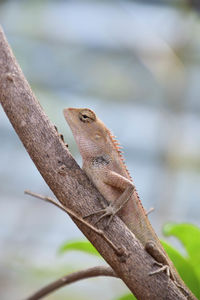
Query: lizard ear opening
[[87, 116]]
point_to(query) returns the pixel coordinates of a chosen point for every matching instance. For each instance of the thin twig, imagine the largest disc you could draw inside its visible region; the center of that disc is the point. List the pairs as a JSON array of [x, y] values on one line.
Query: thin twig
[[118, 250], [149, 211], [88, 273]]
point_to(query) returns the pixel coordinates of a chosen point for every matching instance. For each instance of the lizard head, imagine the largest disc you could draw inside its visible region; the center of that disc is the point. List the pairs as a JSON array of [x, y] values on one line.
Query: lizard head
[[89, 131]]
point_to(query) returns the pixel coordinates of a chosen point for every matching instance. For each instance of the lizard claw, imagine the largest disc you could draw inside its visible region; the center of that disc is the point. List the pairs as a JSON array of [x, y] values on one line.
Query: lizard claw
[[94, 213], [103, 216], [108, 211]]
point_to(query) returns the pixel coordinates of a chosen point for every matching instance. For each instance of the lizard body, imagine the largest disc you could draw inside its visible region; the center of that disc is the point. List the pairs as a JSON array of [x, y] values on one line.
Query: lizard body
[[104, 165]]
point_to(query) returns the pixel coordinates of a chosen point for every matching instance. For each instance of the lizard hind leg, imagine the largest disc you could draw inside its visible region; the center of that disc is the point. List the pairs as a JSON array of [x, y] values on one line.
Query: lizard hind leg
[[166, 268], [162, 262]]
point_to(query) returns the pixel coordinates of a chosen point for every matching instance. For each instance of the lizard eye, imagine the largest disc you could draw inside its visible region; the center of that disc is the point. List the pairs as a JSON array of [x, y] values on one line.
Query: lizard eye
[[87, 116]]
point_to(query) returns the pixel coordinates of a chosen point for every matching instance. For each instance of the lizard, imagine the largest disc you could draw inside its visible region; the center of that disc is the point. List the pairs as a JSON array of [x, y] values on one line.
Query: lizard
[[104, 164]]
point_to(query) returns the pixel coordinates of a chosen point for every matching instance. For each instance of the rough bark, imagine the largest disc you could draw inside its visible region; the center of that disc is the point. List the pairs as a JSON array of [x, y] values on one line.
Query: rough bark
[[70, 184]]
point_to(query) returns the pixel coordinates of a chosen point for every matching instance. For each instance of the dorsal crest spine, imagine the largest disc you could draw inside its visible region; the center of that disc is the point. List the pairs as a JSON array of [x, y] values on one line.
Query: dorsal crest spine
[[118, 148]]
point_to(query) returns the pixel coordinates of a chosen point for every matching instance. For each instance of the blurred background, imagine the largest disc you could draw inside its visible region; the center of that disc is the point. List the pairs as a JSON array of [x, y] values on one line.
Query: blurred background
[[137, 64]]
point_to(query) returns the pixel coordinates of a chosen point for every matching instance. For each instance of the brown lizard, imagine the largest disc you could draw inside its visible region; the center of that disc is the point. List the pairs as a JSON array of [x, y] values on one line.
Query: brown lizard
[[104, 165]]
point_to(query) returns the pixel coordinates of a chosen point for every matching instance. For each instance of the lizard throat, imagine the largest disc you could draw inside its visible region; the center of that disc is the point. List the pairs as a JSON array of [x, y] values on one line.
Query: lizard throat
[[102, 160]]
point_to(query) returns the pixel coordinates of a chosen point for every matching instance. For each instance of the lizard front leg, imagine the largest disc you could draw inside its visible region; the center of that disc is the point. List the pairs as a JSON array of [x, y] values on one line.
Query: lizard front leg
[[119, 182]]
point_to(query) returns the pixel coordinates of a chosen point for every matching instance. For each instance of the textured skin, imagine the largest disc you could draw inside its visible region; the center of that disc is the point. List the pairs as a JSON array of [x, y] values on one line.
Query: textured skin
[[104, 165]]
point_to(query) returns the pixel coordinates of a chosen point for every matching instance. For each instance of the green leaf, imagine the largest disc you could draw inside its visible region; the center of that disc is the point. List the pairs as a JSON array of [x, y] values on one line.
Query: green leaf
[[189, 235], [78, 245], [184, 268], [127, 297]]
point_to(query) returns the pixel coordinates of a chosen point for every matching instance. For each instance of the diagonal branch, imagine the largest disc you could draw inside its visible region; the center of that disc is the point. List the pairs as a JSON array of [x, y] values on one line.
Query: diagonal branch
[[65, 280], [72, 187]]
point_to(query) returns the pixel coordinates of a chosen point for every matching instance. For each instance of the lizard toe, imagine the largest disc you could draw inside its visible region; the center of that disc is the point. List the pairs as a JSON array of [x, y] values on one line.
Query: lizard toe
[[106, 213], [94, 213]]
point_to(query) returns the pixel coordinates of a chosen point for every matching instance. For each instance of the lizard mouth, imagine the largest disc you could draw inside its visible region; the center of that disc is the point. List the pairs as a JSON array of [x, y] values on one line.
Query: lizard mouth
[[68, 113]]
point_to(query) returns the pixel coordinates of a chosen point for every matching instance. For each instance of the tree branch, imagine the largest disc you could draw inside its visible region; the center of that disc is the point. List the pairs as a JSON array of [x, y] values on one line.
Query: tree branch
[[65, 280], [77, 218], [72, 187]]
